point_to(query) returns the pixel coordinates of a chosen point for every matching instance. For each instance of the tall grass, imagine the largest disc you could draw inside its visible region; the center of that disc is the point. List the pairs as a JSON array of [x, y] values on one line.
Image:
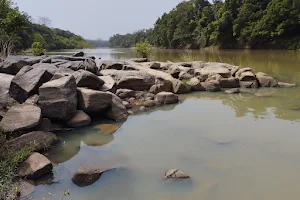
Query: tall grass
[[187, 56]]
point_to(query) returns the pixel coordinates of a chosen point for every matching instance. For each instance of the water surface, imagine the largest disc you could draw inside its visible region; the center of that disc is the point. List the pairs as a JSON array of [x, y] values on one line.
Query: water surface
[[235, 147]]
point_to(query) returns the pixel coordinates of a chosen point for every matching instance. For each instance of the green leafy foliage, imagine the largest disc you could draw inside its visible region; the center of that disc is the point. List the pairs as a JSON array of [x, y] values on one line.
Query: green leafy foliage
[[143, 49], [37, 49]]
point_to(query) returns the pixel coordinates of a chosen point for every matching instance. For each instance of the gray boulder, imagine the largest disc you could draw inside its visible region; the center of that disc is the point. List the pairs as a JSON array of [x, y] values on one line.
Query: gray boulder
[[210, 69], [265, 80], [20, 118], [175, 174], [185, 76], [109, 84], [79, 54], [229, 82], [180, 87], [174, 71], [125, 93], [211, 85], [161, 85], [233, 91], [35, 166], [166, 98], [87, 79], [58, 98], [108, 64], [196, 84], [5, 98], [249, 84], [245, 74], [150, 103], [86, 64], [155, 65], [139, 60], [117, 111], [79, 119], [87, 176], [92, 101]]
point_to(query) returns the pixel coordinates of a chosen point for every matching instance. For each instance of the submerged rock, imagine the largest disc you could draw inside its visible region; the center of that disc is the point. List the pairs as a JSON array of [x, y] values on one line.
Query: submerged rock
[[87, 176], [286, 85], [107, 128], [79, 119], [166, 98], [176, 174], [265, 80], [35, 166], [233, 91]]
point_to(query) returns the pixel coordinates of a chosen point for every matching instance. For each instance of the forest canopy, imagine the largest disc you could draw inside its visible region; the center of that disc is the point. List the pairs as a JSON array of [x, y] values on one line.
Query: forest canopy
[[230, 24]]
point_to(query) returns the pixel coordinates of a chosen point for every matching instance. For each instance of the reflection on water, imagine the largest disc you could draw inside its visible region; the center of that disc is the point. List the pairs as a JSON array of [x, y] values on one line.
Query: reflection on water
[[235, 147]]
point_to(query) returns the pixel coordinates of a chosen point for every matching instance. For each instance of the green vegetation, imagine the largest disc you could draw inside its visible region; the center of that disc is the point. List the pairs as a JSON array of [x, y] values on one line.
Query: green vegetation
[[9, 169], [230, 24], [143, 49], [17, 33], [98, 43], [187, 56], [37, 48]]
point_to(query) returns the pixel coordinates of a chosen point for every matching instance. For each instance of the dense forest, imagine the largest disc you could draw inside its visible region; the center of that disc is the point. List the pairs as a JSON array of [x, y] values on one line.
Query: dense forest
[[230, 24], [98, 43]]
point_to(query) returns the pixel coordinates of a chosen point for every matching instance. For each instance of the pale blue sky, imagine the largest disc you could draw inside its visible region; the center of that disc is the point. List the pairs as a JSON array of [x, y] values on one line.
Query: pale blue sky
[[94, 19]]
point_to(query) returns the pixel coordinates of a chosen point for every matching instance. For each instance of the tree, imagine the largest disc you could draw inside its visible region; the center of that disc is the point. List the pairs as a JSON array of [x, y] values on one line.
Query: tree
[[11, 23], [45, 21], [37, 49], [143, 49]]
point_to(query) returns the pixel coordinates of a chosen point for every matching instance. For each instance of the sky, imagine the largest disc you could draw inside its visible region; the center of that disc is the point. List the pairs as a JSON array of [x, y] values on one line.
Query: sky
[[95, 19]]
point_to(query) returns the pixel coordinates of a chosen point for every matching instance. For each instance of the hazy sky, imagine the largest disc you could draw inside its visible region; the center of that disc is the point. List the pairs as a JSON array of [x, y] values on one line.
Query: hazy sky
[[94, 19]]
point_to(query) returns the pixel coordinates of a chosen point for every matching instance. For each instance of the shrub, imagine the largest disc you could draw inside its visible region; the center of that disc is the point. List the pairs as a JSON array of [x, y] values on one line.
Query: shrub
[[37, 49], [187, 56], [143, 49]]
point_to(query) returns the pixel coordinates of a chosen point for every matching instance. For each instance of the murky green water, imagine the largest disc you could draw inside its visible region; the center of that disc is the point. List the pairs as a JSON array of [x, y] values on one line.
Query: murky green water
[[235, 147]]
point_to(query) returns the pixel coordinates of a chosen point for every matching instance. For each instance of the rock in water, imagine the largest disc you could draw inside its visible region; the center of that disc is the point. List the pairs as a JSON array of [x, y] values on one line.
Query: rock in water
[[86, 176], [117, 111], [286, 85], [35, 166], [20, 118], [229, 82], [79, 54], [211, 85], [233, 91], [180, 87], [58, 98], [176, 174], [166, 98], [265, 80], [87, 79], [80, 119], [107, 128]]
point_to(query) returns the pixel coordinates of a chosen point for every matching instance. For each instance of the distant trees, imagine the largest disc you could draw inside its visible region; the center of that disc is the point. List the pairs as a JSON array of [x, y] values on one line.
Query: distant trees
[[99, 43], [46, 21]]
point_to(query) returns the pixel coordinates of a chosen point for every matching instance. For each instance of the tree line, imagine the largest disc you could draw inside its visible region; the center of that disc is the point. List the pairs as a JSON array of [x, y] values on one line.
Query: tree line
[[230, 24], [18, 32]]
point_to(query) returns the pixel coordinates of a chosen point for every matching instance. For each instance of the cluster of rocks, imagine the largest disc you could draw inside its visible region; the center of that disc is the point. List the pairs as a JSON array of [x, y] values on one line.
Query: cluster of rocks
[[46, 93]]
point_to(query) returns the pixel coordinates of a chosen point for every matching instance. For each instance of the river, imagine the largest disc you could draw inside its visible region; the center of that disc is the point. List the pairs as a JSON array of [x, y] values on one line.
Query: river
[[235, 147]]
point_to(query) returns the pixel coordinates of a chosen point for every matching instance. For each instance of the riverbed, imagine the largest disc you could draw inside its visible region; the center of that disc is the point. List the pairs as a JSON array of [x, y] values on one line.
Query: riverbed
[[235, 147]]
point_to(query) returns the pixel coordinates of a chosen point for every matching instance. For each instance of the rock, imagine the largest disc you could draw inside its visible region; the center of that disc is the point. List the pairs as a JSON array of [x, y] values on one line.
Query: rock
[[246, 75], [80, 119], [125, 93], [185, 76], [108, 64], [85, 64], [180, 87], [161, 85], [79, 54], [249, 84], [26, 189], [36, 140], [45, 125], [107, 128], [117, 111], [28, 80], [233, 91], [35, 166], [109, 84], [229, 82], [174, 71], [196, 84], [134, 80], [166, 98], [87, 79], [210, 69], [150, 103], [155, 65], [142, 109], [87, 176], [13, 64], [5, 99], [126, 104], [139, 60], [92, 101], [33, 100], [265, 80], [58, 98], [20, 118], [176, 174], [286, 85], [202, 77], [3, 113], [211, 85]]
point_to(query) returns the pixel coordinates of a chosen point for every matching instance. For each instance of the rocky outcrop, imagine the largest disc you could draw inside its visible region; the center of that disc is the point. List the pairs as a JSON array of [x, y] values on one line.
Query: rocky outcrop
[[108, 64], [125, 93], [87, 176], [161, 85], [5, 99], [21, 118], [93, 101], [35, 167], [231, 82], [109, 84], [58, 98], [87, 79], [166, 98], [175, 174], [117, 111], [76, 64], [211, 85], [265, 80], [196, 84], [79, 119]]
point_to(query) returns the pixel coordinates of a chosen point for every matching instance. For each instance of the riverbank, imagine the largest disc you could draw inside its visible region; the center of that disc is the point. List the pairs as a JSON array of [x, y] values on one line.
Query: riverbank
[[61, 92]]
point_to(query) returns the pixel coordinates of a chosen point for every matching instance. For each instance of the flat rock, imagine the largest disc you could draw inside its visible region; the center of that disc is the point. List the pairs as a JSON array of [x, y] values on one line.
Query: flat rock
[[87, 79], [93, 101], [58, 98], [166, 98], [87, 64], [87, 176], [175, 174], [286, 85], [79, 119], [150, 103], [35, 166], [20, 118]]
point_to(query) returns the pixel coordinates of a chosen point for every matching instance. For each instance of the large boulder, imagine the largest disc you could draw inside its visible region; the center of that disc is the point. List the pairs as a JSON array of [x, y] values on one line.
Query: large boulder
[[161, 85], [36, 141], [174, 71], [265, 80], [93, 101], [245, 74], [13, 64], [79, 54], [180, 87], [85, 64], [20, 118], [87, 79], [117, 111], [166, 98], [109, 64], [211, 85], [196, 84], [5, 98], [109, 84], [229, 82], [35, 166], [86, 176], [125, 93], [29, 79], [79, 119], [134, 80], [58, 98]]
